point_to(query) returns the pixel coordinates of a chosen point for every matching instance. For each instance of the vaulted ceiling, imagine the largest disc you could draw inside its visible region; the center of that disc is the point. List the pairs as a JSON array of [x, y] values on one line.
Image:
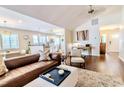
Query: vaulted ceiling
[[65, 16]]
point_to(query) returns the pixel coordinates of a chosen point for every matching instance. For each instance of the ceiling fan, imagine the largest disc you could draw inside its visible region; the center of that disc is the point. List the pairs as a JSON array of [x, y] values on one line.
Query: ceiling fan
[[91, 10]]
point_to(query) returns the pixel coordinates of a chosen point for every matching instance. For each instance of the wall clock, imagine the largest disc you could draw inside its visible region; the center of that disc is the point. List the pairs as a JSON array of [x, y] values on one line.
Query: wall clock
[[26, 37]]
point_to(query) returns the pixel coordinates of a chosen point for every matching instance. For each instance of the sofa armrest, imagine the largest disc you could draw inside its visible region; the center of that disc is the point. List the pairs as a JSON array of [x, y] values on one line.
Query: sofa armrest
[[55, 57]]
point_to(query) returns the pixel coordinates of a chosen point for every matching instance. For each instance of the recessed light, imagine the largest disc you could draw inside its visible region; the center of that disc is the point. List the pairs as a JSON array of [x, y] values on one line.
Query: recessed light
[[19, 21]]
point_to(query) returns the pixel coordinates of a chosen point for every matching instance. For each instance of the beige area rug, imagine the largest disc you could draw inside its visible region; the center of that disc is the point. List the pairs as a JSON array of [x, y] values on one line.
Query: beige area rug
[[95, 79]]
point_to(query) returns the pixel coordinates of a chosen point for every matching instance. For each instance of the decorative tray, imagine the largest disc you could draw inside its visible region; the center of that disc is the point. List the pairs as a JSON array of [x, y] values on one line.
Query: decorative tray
[[55, 78]]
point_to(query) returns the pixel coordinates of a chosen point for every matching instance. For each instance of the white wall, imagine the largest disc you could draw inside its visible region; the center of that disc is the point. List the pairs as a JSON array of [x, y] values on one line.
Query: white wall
[[121, 42], [68, 40], [94, 36], [121, 45], [110, 19]]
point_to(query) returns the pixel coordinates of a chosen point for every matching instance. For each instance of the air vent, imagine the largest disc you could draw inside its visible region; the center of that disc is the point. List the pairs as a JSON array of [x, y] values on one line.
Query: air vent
[[94, 21]]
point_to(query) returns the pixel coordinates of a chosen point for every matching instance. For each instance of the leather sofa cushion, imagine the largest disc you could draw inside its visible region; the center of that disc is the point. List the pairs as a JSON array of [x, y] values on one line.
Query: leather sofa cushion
[[13, 63], [23, 75]]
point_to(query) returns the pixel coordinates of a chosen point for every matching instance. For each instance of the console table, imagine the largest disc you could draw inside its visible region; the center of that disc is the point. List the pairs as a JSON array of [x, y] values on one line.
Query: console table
[[89, 49]]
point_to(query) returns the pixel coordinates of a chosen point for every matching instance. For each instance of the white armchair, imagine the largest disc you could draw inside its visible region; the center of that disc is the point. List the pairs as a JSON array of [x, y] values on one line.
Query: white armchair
[[75, 57]]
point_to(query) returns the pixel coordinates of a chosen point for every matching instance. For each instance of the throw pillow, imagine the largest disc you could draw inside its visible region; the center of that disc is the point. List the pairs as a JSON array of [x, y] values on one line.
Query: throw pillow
[[3, 68]]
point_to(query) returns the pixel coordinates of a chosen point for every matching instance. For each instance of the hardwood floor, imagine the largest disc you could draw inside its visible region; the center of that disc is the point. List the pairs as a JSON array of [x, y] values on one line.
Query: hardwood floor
[[109, 64]]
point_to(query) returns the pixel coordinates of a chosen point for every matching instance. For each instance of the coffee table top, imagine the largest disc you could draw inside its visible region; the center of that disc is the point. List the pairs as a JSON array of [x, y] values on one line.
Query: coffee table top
[[70, 81]]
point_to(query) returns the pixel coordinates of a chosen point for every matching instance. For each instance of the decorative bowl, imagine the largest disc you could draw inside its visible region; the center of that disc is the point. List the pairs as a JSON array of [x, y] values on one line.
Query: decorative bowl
[[61, 72]]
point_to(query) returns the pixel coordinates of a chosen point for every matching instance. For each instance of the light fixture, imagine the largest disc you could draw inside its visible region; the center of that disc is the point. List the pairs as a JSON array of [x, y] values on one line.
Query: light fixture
[[91, 10]]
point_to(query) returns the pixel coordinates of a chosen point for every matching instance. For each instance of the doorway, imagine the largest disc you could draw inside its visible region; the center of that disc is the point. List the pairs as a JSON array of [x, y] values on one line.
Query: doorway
[[109, 41], [103, 44]]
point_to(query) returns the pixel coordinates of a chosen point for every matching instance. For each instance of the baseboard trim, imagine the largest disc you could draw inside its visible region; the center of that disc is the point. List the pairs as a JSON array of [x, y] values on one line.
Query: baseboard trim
[[121, 58]]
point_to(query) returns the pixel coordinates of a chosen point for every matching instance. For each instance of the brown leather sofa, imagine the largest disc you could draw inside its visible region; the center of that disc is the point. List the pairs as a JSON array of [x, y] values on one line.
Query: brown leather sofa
[[24, 69]]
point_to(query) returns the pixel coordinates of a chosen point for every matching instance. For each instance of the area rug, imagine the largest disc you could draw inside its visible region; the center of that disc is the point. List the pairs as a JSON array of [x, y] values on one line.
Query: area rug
[[95, 79]]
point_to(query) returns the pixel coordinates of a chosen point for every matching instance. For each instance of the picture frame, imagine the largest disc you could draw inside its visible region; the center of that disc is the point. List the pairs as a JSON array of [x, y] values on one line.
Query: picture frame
[[83, 35]]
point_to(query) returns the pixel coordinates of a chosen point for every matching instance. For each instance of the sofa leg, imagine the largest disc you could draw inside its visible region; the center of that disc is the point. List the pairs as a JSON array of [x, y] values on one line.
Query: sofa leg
[[70, 64], [80, 65], [84, 65]]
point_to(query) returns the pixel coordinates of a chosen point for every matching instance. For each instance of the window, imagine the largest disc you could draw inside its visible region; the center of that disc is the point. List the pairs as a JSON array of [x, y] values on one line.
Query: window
[[39, 40], [47, 39], [35, 40], [57, 41], [14, 41], [9, 41], [6, 41], [42, 39], [104, 38]]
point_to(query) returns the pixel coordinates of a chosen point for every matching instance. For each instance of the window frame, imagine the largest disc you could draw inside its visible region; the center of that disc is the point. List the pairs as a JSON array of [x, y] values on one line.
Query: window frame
[[10, 48], [37, 40], [42, 39]]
